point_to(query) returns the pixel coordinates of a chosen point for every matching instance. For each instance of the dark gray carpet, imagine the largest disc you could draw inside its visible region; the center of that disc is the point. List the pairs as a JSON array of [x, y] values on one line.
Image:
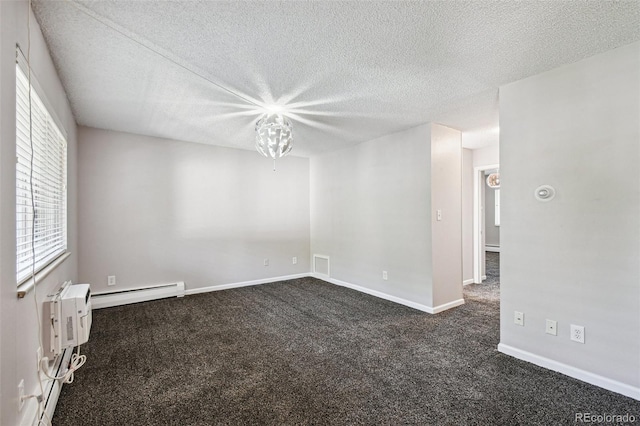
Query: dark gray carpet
[[492, 269], [308, 352]]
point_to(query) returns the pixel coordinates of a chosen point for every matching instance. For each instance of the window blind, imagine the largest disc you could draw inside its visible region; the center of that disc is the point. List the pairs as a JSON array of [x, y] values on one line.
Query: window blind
[[46, 176]]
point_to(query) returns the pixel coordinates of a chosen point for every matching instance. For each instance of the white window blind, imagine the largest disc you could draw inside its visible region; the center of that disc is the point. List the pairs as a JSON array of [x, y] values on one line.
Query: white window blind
[[49, 178]]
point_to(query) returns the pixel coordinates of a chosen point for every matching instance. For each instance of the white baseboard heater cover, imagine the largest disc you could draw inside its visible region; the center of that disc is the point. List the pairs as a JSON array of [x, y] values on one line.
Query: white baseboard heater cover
[[137, 294], [52, 389]]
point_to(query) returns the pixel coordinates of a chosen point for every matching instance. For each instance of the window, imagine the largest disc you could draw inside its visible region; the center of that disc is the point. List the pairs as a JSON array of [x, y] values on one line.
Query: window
[[48, 173]]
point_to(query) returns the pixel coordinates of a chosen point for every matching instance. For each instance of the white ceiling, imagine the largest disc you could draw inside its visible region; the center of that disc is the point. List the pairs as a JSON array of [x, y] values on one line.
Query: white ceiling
[[346, 72]]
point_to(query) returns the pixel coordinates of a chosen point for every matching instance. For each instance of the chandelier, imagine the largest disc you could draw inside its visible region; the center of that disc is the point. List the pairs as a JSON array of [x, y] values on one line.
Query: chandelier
[[273, 136]]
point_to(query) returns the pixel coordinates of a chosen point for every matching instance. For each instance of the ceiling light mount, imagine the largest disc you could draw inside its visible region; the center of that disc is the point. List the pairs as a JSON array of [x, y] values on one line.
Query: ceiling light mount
[[274, 137], [274, 109]]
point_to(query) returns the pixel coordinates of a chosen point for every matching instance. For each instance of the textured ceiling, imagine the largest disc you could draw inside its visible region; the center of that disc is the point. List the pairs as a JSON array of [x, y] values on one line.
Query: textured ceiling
[[345, 72]]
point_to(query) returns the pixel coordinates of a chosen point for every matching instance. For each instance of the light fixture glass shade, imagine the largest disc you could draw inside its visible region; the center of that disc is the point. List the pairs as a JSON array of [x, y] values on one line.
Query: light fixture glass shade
[[274, 136], [493, 180]]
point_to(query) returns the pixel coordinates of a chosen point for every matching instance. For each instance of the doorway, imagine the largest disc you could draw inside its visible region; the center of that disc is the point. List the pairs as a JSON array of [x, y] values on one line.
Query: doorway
[[486, 216]]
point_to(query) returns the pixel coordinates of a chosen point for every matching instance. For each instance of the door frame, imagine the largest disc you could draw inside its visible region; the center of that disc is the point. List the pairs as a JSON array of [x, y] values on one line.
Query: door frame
[[478, 220]]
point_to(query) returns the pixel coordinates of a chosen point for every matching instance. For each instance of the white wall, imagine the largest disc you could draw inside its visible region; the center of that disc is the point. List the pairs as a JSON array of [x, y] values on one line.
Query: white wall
[[371, 211], [446, 196], [18, 330], [575, 259], [467, 215], [487, 156], [158, 211]]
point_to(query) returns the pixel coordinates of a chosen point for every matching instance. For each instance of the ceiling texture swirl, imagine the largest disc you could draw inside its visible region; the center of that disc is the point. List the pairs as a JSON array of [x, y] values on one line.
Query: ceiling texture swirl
[[343, 72]]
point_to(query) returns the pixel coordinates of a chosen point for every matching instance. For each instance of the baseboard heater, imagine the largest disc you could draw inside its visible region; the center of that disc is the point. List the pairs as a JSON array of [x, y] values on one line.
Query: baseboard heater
[[135, 295], [52, 388]]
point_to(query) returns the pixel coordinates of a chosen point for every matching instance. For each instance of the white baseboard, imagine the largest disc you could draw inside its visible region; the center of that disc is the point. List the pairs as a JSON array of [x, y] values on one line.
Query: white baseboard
[[52, 391], [568, 370], [401, 301], [447, 306], [137, 294], [244, 283], [494, 249], [467, 282]]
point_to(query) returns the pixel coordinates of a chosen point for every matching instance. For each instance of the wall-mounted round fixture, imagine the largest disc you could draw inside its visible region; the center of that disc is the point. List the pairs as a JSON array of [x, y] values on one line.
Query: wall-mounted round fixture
[[493, 180], [545, 193]]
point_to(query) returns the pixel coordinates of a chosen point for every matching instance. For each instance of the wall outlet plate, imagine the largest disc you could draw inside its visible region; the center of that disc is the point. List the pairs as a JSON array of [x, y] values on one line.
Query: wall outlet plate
[[385, 276], [577, 333], [552, 327], [294, 260], [518, 318], [111, 280], [266, 262]]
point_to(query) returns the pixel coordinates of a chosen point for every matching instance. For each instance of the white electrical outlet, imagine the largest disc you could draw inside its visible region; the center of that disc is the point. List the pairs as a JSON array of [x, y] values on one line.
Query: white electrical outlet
[[384, 275], [518, 318], [111, 280], [266, 262], [295, 260], [577, 333], [439, 214], [20, 395], [552, 327]]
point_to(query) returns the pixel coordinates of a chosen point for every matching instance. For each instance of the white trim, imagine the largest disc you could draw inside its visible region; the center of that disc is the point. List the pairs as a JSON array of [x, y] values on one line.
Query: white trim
[[321, 256], [568, 370], [447, 306], [136, 294], [467, 282], [401, 301], [244, 284], [28, 284], [477, 236], [56, 388], [52, 391], [493, 249]]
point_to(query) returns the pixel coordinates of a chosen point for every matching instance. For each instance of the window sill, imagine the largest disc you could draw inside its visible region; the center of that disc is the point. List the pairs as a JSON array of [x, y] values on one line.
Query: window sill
[[29, 284]]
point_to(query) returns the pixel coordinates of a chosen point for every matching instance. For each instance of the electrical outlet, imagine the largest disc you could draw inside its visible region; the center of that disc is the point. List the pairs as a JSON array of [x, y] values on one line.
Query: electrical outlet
[[552, 327], [438, 214], [295, 260], [577, 333], [111, 280], [21, 395], [266, 262], [384, 275], [518, 318]]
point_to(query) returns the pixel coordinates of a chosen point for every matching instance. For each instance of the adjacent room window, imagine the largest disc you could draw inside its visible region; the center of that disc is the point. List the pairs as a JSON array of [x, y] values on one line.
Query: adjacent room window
[[44, 175]]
